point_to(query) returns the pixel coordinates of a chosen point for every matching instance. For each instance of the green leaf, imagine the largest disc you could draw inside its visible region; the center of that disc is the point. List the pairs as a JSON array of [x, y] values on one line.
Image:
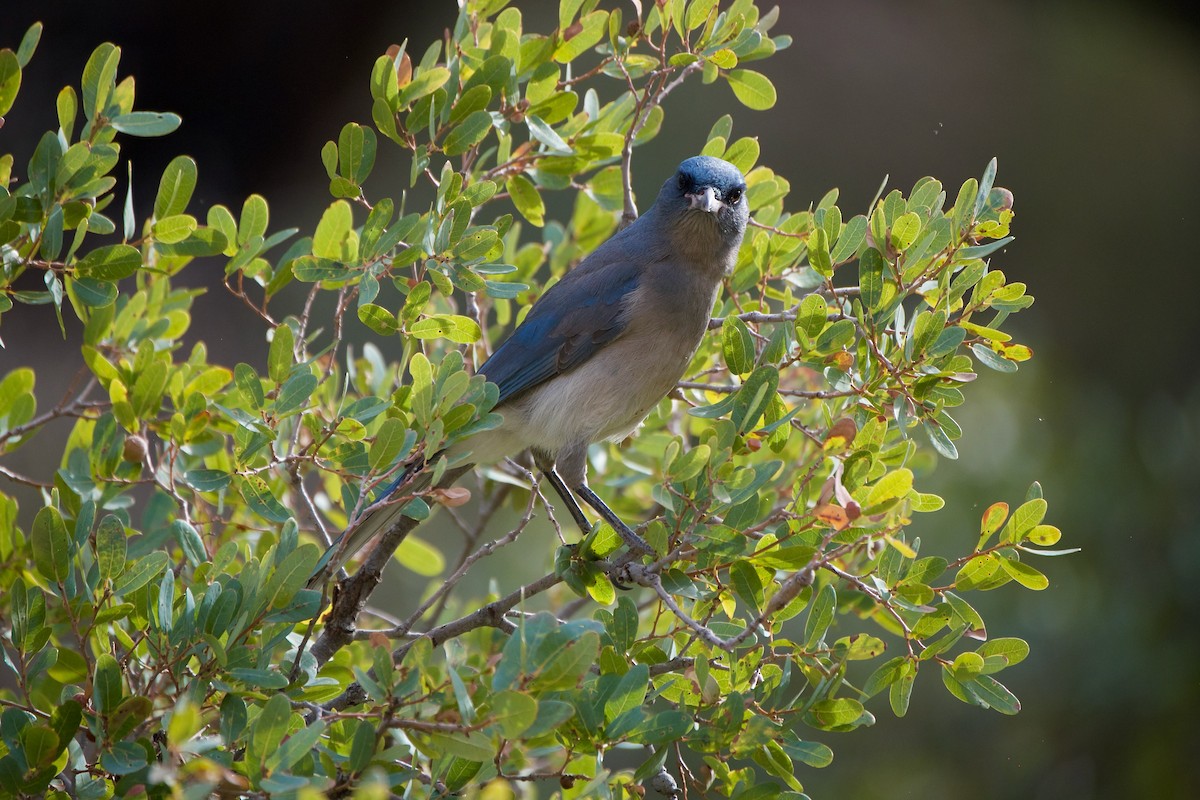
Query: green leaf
[[10, 79], [175, 228], [851, 238], [454, 327], [1044, 535], [835, 713], [269, 728], [311, 269], [1024, 574], [106, 684], [543, 133], [140, 572], [146, 123], [290, 576], [65, 721], [279, 357], [109, 263], [870, 278], [836, 337], [528, 201], [388, 442], [51, 546], [470, 132], [477, 748], [1013, 651], [667, 726], [885, 675], [427, 82], [811, 316], [992, 519], [689, 463], [332, 232], [166, 598], [99, 77], [589, 35], [926, 329], [254, 220], [629, 693], [209, 382], [29, 43], [250, 387], [420, 557], [111, 547], [260, 678], [753, 89], [814, 754], [995, 694], [470, 102], [124, 758], [356, 152], [888, 491], [298, 745], [92, 292], [818, 253], [551, 714], [378, 319], [295, 392], [940, 441], [148, 389], [900, 692], [261, 500], [753, 399], [569, 664], [513, 712], [905, 230], [747, 584], [964, 207], [1028, 515], [737, 344], [190, 541], [176, 187], [820, 617]]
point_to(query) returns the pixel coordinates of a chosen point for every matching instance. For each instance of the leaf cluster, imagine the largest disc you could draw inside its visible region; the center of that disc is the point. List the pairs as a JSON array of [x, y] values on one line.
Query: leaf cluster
[[161, 637]]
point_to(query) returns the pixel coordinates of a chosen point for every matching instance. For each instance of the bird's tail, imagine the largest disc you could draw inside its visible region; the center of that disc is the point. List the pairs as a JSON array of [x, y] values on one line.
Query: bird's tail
[[373, 520]]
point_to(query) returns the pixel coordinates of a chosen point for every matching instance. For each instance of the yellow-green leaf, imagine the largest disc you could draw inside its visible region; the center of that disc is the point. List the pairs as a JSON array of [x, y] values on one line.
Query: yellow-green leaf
[[753, 89]]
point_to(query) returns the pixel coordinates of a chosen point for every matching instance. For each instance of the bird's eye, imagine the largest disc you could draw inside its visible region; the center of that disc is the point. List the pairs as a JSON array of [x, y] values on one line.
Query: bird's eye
[[733, 197], [683, 181]]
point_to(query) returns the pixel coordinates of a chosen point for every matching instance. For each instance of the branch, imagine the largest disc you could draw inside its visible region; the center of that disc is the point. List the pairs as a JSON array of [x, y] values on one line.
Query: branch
[[730, 389], [402, 629], [759, 318], [65, 408], [354, 592], [17, 477], [489, 616], [791, 586], [641, 113]]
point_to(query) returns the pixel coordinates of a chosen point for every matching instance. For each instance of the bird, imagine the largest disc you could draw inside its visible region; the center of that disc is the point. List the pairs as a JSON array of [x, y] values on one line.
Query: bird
[[602, 346]]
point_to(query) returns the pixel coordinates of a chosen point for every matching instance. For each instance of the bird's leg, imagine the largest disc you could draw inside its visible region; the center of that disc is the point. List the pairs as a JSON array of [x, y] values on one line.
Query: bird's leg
[[560, 486], [632, 540]]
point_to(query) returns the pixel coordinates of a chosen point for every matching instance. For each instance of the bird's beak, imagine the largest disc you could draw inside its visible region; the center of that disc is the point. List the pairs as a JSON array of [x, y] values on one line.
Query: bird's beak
[[705, 200]]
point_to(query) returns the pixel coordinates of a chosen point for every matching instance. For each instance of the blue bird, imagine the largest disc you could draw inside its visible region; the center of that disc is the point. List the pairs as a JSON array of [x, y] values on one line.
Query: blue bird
[[605, 344]]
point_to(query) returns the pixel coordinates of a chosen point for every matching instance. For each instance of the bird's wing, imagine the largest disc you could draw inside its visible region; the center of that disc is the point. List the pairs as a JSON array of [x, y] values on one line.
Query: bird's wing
[[574, 319]]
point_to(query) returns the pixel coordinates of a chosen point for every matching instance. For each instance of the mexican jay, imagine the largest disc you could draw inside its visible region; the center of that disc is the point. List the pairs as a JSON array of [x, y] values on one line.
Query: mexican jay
[[602, 346]]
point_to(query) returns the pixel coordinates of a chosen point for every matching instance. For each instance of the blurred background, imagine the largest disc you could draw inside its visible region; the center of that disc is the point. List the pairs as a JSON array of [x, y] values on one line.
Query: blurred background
[[1093, 109]]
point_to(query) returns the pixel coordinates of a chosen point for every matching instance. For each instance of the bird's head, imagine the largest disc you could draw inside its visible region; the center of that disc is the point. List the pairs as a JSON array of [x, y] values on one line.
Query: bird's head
[[705, 202]]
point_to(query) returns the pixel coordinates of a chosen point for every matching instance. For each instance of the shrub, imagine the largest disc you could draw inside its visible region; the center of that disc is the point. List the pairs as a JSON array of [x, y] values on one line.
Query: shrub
[[159, 633]]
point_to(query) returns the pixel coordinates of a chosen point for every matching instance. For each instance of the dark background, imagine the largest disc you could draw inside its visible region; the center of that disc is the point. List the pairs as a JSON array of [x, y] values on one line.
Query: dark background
[[1094, 112]]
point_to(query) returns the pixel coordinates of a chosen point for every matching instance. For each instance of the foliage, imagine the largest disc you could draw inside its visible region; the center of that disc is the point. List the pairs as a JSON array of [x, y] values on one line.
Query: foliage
[[159, 632]]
